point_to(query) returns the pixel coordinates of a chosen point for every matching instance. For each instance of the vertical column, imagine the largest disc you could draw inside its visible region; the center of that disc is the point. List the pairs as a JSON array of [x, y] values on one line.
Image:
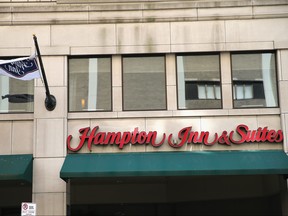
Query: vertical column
[[171, 82], [50, 128], [117, 83], [282, 65], [226, 80]]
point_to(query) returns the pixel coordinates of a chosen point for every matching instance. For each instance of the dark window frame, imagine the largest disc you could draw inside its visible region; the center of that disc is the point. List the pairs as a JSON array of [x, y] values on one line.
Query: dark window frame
[[165, 79], [68, 84], [206, 81], [276, 77]]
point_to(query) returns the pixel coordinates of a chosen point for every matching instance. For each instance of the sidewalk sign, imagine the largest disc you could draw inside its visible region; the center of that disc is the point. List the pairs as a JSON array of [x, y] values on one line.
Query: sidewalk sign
[[28, 209]]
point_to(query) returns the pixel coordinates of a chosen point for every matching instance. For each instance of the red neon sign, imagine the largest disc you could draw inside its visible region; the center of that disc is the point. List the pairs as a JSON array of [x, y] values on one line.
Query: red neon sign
[[242, 134]]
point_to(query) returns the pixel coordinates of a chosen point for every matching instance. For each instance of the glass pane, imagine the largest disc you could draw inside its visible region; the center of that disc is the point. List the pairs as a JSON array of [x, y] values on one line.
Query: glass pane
[[239, 92], [144, 83], [201, 92], [248, 91], [203, 71], [217, 92], [255, 69], [210, 92], [16, 95], [90, 84]]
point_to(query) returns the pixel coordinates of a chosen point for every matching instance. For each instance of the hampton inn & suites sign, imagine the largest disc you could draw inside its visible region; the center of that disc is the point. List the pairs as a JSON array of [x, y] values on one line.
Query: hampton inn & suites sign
[[241, 134]]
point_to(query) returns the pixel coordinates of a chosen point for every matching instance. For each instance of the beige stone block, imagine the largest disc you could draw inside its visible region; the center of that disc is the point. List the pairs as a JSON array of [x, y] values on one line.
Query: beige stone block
[[60, 111], [283, 99], [225, 64], [224, 13], [253, 111], [50, 203], [270, 11], [171, 69], [147, 34], [171, 98], [52, 51], [136, 114], [283, 65], [5, 18], [197, 32], [50, 17], [91, 35], [114, 15], [5, 134], [6, 52], [50, 138], [198, 47], [227, 98], [88, 115], [22, 116], [151, 15], [256, 30], [207, 112], [54, 70], [244, 46], [116, 70], [46, 175], [143, 49], [281, 44], [92, 50], [284, 121], [117, 99], [22, 137], [270, 121], [12, 38]]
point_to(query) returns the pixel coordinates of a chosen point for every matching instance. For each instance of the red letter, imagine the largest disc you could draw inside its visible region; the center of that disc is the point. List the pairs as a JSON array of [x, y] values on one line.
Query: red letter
[[182, 135], [83, 137], [240, 131]]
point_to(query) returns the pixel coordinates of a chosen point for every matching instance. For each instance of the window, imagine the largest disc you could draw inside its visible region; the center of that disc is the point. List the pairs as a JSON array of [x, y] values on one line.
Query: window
[[90, 84], [254, 80], [144, 84], [16, 95], [198, 78]]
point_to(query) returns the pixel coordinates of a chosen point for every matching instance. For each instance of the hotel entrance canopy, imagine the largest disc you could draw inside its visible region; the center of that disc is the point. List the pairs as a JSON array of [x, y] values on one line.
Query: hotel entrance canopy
[[174, 164], [16, 167]]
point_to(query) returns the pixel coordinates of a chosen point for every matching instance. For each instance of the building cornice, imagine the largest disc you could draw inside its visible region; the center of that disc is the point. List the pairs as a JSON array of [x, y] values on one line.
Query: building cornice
[[112, 11]]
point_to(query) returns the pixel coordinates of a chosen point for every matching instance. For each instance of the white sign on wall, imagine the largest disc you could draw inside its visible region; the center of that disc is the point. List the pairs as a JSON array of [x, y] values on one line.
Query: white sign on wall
[[28, 209]]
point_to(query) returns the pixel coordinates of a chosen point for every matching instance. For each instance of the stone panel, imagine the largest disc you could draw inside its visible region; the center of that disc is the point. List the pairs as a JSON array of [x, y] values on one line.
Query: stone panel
[[6, 136], [46, 177], [50, 203], [83, 35], [50, 141], [201, 32], [12, 36], [22, 137], [256, 30], [140, 34], [60, 110]]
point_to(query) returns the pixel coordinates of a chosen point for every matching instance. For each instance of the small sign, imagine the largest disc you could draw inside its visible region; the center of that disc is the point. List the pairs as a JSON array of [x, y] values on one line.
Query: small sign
[[28, 209]]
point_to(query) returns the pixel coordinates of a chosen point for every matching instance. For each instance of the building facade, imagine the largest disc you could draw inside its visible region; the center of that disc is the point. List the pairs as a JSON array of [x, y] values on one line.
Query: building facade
[[163, 108]]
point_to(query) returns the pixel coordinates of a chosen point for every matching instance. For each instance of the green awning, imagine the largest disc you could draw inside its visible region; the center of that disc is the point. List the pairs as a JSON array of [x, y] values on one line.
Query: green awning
[[16, 167], [174, 164]]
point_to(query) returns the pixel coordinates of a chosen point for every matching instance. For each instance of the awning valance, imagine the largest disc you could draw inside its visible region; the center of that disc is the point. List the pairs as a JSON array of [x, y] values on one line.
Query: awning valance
[[16, 167], [174, 164]]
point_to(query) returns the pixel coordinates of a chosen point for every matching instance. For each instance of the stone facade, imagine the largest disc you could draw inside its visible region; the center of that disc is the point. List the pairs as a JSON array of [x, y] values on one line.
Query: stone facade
[[96, 27]]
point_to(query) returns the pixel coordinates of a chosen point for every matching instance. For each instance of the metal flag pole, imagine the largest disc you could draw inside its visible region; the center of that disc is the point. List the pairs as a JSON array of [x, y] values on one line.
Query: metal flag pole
[[50, 101]]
